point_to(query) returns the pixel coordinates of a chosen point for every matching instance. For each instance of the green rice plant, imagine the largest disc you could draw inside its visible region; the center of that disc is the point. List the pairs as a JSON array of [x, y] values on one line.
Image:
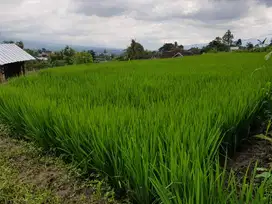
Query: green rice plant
[[156, 128], [267, 135]]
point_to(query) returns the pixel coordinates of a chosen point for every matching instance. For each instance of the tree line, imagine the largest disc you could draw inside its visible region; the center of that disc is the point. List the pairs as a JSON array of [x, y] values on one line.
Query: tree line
[[66, 56], [224, 43], [136, 51], [220, 44]]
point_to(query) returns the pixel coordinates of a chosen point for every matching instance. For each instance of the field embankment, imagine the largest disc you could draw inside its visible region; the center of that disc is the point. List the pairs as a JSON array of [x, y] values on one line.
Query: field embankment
[[154, 127]]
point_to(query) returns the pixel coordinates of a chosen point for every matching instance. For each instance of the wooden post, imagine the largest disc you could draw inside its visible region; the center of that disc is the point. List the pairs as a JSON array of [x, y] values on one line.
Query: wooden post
[[23, 68], [2, 75]]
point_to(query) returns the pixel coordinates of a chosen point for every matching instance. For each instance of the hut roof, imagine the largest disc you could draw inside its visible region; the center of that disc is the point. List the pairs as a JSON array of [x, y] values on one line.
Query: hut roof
[[10, 53]]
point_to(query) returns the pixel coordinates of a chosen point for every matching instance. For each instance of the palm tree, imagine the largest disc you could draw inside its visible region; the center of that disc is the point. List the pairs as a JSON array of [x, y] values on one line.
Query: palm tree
[[261, 43]]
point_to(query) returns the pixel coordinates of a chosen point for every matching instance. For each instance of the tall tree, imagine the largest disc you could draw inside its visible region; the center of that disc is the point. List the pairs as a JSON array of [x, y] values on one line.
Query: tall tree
[[135, 50], [92, 53], [68, 54], [20, 44], [133, 46], [228, 38], [218, 40], [239, 42], [262, 42], [216, 45]]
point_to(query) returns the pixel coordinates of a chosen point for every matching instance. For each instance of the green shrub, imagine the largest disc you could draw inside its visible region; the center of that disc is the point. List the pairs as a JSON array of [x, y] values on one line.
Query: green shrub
[[36, 65], [58, 63]]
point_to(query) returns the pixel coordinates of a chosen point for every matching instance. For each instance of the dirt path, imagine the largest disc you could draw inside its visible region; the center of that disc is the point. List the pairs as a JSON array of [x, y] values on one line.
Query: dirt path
[[27, 176]]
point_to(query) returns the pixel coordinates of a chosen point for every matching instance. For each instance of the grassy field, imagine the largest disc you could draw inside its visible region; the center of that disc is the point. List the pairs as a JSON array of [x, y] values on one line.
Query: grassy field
[[154, 127]]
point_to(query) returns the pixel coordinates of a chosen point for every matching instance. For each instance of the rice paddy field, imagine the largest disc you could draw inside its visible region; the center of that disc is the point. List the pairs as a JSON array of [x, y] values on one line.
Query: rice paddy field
[[154, 127]]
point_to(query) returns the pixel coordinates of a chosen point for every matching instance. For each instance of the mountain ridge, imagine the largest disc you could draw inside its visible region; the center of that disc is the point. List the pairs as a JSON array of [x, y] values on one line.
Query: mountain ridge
[[32, 44]]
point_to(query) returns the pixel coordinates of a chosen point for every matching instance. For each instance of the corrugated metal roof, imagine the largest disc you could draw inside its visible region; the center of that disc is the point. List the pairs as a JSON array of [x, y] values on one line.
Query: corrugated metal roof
[[10, 53]]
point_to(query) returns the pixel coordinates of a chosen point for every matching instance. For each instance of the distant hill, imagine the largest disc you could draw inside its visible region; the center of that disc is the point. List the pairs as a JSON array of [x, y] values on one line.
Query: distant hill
[[254, 41], [195, 45], [57, 46]]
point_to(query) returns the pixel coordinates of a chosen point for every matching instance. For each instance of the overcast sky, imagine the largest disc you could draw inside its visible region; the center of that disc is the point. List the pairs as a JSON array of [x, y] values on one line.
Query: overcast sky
[[113, 23]]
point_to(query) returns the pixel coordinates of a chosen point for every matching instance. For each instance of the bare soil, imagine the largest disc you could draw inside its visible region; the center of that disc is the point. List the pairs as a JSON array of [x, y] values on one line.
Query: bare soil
[[252, 152], [28, 176]]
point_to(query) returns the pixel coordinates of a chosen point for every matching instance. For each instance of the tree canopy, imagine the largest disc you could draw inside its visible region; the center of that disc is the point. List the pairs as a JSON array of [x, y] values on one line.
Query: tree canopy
[[93, 54], [238, 43], [135, 50], [82, 58], [249, 46], [167, 47], [19, 43], [216, 45], [228, 38], [69, 56]]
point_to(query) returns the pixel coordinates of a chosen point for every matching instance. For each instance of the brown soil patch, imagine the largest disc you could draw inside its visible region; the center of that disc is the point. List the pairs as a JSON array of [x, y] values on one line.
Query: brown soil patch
[[251, 151], [28, 176]]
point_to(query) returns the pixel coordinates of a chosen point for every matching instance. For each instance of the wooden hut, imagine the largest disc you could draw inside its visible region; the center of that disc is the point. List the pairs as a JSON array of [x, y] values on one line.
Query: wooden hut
[[12, 61]]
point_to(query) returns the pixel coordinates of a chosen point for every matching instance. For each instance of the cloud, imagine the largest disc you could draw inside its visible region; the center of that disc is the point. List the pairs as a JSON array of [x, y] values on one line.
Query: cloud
[[222, 11], [266, 2], [114, 23], [161, 10], [101, 8]]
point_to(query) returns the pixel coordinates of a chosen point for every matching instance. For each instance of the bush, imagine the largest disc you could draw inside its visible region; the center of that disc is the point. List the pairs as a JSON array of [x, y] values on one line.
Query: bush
[[213, 50], [36, 65], [58, 63], [257, 49]]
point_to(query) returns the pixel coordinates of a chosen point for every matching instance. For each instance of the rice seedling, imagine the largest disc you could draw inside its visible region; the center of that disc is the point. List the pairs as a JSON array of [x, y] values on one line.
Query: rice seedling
[[154, 127]]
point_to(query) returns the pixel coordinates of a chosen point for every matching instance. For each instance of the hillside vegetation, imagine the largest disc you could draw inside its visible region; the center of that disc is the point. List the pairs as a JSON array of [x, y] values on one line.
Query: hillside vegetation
[[154, 127]]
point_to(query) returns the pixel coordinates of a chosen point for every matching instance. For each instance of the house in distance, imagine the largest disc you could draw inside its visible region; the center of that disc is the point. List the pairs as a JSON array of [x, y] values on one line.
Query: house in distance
[[12, 61], [234, 48]]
